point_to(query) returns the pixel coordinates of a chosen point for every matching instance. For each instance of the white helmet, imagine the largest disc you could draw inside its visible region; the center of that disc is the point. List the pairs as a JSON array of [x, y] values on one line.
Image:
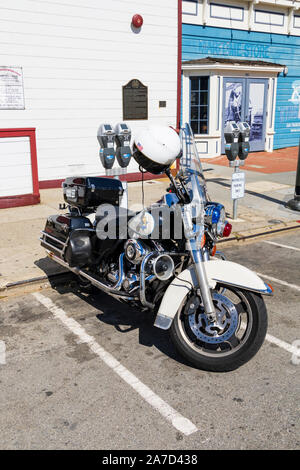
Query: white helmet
[[155, 148]]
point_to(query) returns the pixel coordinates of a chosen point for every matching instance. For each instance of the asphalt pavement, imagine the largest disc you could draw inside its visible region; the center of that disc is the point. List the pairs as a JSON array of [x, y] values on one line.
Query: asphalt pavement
[[81, 371]]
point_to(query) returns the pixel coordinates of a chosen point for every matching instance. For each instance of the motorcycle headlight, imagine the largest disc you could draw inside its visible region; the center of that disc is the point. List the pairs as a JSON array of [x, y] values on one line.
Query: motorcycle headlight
[[213, 212], [142, 224], [221, 223], [215, 216]]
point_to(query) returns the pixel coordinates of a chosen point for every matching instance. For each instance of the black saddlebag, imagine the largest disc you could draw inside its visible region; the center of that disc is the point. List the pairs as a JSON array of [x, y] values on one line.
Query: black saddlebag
[[79, 249], [89, 192], [69, 236]]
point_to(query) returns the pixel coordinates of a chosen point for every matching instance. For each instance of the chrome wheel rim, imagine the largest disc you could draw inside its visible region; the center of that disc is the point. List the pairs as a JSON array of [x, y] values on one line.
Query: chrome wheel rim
[[234, 315]]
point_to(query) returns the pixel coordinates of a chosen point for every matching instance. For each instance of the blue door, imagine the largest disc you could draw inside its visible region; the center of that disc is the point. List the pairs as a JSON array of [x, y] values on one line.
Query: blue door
[[245, 99]]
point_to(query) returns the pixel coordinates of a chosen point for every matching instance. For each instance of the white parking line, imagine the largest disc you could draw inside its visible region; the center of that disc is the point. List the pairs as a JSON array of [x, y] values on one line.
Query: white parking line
[[272, 339], [179, 422], [282, 344], [279, 281], [282, 246]]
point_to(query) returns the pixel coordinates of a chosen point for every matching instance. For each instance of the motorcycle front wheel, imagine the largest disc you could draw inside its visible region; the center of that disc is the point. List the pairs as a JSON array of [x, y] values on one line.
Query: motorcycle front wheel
[[242, 318]]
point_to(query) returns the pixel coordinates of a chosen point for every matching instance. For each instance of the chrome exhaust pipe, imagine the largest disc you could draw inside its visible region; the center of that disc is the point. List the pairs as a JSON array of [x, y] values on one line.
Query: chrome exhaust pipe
[[79, 272]]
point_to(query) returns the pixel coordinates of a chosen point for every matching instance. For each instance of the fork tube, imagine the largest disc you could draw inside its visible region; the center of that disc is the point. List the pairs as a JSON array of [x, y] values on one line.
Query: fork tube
[[198, 259], [206, 256]]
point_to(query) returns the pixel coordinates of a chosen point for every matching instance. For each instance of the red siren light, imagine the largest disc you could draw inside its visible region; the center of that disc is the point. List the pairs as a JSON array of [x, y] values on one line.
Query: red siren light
[[137, 21], [227, 230]]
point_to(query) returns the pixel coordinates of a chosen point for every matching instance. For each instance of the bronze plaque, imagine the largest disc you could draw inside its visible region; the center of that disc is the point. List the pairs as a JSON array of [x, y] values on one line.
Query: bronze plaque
[[135, 101]]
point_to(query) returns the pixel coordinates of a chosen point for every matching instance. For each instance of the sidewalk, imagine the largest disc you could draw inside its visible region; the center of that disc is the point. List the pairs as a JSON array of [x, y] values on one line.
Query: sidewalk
[[21, 256], [270, 180], [278, 161], [270, 183]]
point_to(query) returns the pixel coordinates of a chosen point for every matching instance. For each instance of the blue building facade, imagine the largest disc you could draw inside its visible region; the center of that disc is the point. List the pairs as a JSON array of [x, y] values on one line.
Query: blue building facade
[[248, 57]]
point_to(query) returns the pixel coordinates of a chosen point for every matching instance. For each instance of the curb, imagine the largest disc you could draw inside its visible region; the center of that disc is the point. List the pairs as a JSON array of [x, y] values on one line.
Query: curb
[[237, 237], [268, 230], [42, 282]]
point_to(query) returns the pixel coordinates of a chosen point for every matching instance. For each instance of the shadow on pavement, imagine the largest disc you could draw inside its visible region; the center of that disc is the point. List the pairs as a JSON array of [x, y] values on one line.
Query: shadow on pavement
[[251, 193], [49, 267], [122, 317]]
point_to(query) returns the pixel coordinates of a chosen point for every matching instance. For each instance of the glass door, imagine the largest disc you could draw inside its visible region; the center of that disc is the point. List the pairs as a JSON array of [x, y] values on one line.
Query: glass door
[[234, 97], [245, 99], [256, 101]]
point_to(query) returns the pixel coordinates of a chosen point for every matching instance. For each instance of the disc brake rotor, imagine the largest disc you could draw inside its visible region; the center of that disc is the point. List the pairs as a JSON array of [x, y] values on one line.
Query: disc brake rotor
[[206, 331]]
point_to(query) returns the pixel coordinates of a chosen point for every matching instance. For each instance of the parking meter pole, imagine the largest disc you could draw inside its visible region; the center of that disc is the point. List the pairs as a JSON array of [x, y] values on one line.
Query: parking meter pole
[[294, 204], [124, 200], [115, 173], [237, 144], [236, 164], [235, 201], [124, 155], [235, 204]]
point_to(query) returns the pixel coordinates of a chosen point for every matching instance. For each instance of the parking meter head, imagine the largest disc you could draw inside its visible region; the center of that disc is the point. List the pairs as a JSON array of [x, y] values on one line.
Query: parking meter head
[[231, 134], [244, 144], [123, 150], [244, 129], [106, 138]]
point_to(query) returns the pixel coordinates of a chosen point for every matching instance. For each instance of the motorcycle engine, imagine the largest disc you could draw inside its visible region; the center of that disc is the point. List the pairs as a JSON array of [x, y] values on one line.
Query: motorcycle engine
[[135, 251], [159, 266]]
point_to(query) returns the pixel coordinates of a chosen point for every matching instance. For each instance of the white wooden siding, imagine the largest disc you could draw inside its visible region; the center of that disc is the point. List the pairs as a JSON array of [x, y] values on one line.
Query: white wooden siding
[[76, 56]]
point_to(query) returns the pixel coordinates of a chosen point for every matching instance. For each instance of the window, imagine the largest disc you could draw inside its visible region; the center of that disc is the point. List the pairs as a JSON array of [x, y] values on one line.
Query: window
[[269, 18], [226, 12], [296, 21], [199, 105], [190, 7]]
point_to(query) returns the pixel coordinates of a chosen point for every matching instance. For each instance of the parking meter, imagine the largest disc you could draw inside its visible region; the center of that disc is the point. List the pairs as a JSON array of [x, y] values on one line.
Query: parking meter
[[106, 138], [231, 134], [244, 144], [123, 137]]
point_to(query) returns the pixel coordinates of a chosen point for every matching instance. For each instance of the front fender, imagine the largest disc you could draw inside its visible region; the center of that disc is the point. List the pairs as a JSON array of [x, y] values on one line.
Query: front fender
[[217, 271]]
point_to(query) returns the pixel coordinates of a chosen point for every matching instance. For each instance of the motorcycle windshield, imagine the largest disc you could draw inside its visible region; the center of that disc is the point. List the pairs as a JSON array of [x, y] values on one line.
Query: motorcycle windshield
[[192, 171]]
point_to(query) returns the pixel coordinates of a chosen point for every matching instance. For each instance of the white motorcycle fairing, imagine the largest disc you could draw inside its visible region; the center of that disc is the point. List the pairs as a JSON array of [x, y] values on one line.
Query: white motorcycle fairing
[[217, 271]]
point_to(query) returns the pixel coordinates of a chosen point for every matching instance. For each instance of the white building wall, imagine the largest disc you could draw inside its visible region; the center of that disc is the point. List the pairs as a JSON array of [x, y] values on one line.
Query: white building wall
[[76, 56]]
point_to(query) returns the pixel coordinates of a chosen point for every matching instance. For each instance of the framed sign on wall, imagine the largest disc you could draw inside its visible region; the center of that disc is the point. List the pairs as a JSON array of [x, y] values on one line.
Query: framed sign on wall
[[135, 101], [11, 88]]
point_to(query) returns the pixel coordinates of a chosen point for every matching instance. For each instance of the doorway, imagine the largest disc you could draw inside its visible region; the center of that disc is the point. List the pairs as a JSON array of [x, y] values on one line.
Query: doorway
[[245, 99]]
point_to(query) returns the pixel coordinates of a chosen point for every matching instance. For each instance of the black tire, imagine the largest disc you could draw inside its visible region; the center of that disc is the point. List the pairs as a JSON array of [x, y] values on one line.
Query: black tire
[[216, 358]]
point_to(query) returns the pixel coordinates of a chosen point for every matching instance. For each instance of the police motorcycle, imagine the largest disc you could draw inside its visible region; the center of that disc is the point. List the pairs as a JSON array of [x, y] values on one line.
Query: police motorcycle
[[163, 259]]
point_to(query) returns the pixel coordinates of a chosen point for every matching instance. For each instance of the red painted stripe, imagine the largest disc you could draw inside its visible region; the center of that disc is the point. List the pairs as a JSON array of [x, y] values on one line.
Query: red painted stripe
[[179, 67], [17, 201], [18, 131], [11, 70], [179, 62], [130, 177]]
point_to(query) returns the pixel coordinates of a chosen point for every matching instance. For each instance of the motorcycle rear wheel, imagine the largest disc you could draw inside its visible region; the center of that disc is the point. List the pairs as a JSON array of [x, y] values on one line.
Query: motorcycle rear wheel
[[243, 315]]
